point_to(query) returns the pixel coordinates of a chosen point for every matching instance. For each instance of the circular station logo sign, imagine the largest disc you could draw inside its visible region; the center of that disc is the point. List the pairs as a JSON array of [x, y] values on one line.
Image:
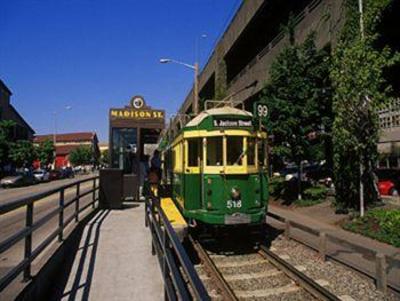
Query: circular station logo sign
[[137, 102]]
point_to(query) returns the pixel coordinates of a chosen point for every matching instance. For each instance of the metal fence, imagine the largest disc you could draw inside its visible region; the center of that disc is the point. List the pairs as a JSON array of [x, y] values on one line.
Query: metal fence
[[30, 226], [321, 240], [181, 280]]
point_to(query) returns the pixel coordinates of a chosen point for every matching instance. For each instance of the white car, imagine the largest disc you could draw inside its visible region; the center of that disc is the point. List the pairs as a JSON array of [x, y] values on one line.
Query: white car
[[41, 175]]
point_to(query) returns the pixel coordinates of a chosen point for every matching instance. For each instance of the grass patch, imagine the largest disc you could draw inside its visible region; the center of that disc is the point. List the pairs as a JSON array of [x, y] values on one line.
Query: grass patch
[[379, 224]]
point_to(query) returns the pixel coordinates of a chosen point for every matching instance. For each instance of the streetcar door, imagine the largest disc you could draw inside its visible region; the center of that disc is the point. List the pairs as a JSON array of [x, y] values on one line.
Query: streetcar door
[[193, 173]]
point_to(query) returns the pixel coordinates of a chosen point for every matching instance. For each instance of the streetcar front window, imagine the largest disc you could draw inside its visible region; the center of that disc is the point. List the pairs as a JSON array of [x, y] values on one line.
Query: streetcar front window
[[235, 150], [251, 151], [214, 151]]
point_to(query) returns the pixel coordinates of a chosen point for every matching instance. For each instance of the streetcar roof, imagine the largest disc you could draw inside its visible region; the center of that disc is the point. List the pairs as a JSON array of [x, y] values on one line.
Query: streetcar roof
[[217, 111]]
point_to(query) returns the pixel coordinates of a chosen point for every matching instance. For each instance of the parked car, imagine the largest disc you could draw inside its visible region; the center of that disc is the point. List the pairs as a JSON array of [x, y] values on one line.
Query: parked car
[[55, 174], [41, 175], [388, 181], [67, 173], [19, 179], [319, 173], [388, 187]]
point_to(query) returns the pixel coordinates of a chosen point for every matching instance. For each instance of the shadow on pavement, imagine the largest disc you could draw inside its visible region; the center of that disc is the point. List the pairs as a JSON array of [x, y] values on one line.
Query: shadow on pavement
[[68, 274]]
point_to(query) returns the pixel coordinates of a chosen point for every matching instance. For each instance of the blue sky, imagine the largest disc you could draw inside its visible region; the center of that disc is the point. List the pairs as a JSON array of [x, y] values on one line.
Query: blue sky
[[93, 55]]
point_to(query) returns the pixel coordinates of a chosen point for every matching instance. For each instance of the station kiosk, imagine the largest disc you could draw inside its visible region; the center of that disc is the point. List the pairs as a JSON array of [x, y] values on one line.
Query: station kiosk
[[133, 135]]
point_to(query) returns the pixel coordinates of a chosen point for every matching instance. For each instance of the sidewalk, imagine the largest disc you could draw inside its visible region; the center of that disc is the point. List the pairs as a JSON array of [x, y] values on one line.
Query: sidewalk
[[114, 260], [344, 253]]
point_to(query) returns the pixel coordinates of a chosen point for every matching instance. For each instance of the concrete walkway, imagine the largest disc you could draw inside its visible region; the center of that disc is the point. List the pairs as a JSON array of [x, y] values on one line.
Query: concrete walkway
[[114, 260], [346, 253]]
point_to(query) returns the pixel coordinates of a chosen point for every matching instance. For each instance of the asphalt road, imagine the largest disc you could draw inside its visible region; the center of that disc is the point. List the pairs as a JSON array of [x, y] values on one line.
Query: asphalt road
[[14, 221], [12, 194]]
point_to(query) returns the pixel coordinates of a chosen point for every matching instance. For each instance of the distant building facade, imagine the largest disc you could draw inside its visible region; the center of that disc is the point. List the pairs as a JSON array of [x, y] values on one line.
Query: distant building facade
[[389, 140], [22, 130], [66, 143]]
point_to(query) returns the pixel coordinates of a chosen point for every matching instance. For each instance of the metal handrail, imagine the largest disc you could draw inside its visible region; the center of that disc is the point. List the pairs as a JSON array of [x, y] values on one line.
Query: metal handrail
[[30, 227], [181, 280]]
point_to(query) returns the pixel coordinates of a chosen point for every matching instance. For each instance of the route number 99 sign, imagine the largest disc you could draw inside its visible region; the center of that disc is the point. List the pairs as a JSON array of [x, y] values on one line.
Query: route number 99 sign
[[262, 110]]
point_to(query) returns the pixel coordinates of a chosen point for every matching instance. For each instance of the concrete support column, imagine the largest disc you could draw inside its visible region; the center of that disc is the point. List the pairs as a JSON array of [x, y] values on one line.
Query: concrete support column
[[221, 81]]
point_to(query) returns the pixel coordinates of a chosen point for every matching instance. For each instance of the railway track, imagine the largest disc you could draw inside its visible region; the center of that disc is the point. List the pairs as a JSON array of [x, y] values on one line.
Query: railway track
[[258, 275]]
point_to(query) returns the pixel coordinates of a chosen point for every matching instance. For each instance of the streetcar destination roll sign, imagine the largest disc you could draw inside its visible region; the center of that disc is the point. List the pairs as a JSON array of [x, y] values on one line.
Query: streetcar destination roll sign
[[232, 123]]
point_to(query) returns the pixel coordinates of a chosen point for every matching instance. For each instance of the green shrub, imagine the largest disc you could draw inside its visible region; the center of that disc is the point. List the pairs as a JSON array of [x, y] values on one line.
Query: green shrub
[[276, 186], [315, 193], [380, 224]]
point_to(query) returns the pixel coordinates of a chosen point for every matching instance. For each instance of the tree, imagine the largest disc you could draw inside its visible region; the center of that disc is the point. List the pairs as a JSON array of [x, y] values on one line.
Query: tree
[[359, 91], [45, 152], [82, 155], [104, 159], [6, 127], [22, 153], [299, 100]]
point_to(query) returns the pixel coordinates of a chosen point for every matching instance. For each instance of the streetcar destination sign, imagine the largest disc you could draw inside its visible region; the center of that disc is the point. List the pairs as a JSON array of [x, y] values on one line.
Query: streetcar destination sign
[[232, 123]]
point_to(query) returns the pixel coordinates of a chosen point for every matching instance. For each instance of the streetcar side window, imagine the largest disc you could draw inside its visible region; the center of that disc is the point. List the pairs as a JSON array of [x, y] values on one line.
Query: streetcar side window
[[214, 151], [251, 151], [195, 153], [235, 150]]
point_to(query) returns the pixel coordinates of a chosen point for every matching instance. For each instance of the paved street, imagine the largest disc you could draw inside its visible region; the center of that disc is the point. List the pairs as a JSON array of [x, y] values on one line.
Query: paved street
[[14, 221], [11, 194]]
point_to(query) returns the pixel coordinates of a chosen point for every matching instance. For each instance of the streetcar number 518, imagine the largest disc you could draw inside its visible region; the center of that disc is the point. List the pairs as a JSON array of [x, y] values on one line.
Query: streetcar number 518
[[233, 204]]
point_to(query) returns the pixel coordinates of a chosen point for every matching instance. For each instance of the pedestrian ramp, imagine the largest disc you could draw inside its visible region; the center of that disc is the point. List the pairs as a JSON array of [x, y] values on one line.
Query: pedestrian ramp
[[114, 260]]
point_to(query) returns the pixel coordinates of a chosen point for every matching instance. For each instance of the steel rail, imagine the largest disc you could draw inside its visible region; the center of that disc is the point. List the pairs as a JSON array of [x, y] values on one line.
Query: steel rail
[[303, 280], [226, 291]]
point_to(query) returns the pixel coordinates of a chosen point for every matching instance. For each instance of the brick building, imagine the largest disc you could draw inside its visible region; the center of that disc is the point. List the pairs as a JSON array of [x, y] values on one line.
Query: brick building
[[66, 143], [22, 130]]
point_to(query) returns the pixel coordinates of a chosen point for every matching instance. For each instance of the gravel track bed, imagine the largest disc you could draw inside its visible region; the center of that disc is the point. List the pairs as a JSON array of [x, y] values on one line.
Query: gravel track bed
[[300, 295], [341, 280], [251, 268], [220, 259], [266, 282]]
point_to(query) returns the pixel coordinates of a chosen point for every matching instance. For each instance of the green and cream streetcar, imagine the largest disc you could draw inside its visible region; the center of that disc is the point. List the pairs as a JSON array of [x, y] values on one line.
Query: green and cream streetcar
[[217, 168]]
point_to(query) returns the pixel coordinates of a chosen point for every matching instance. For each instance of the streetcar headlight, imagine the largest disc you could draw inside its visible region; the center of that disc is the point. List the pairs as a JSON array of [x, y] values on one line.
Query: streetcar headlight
[[209, 181], [235, 193], [209, 205]]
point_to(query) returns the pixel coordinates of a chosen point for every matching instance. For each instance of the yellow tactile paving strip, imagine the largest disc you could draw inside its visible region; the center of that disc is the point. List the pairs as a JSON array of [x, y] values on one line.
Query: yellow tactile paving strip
[[172, 212]]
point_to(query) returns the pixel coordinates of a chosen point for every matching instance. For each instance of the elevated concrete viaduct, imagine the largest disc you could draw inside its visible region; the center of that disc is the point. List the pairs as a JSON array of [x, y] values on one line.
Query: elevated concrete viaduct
[[253, 39]]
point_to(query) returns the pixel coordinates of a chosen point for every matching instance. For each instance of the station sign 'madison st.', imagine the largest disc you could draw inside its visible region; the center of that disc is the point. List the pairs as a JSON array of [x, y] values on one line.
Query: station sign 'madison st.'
[[136, 110]]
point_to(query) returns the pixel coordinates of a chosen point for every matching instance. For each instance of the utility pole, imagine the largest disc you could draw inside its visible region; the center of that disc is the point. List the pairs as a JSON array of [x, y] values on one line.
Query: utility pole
[[196, 89], [362, 205]]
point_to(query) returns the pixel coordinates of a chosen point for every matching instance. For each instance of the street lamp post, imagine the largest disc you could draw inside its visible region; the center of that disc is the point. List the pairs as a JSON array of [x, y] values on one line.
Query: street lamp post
[[194, 67]]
